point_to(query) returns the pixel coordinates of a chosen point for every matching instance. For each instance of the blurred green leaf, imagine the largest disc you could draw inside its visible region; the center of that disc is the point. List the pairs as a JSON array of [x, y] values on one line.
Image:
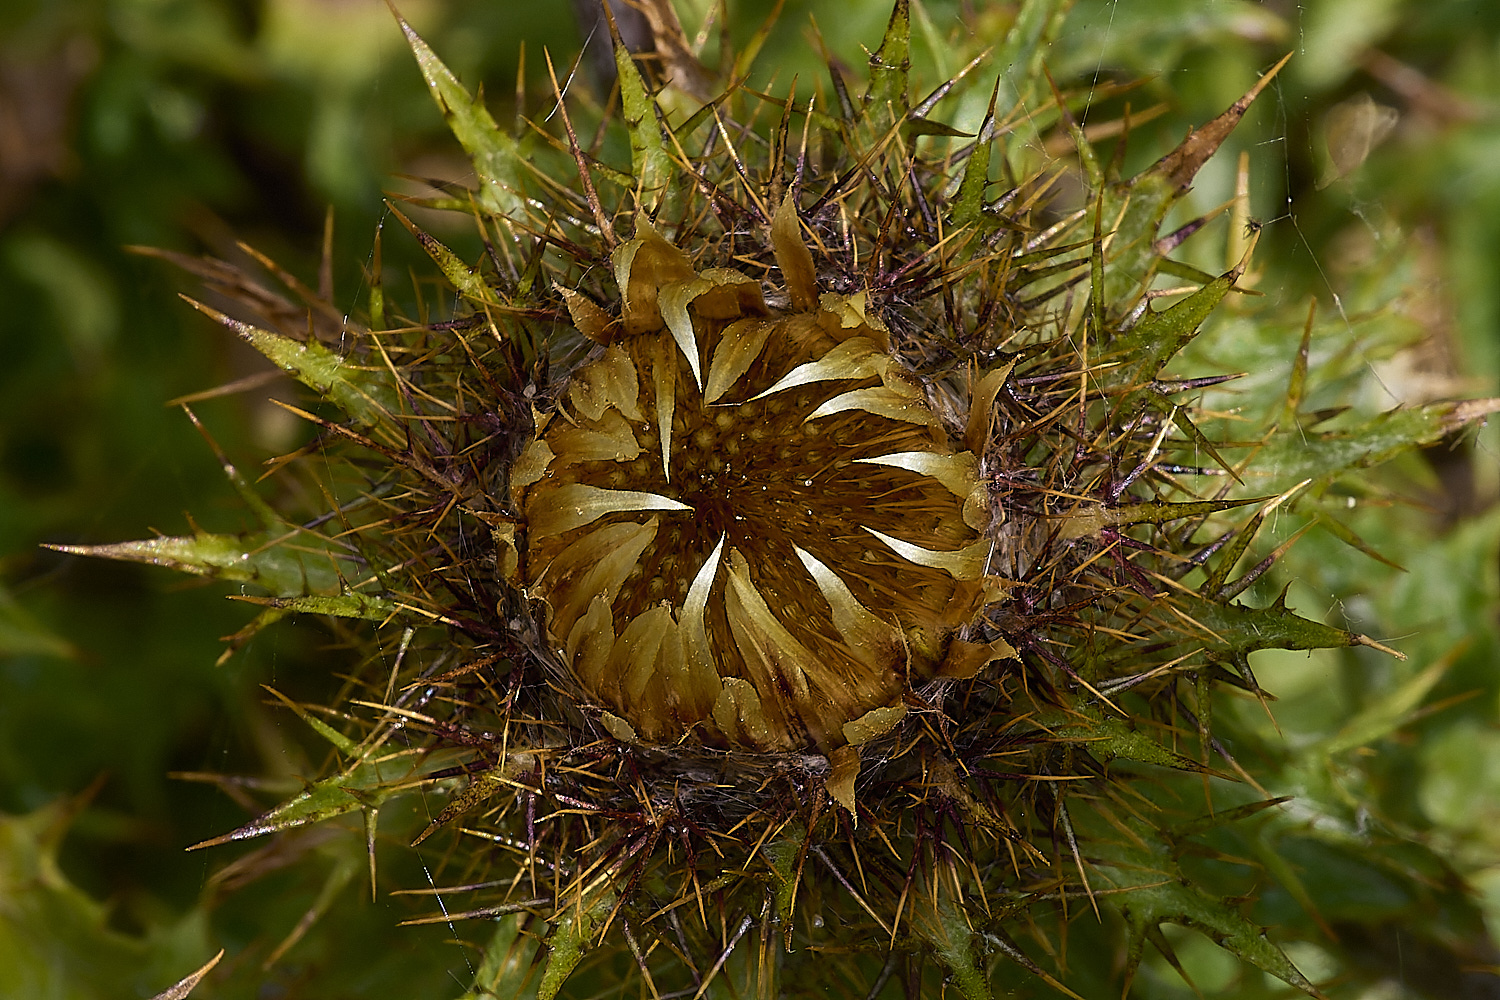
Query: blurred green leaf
[[56, 942], [22, 634]]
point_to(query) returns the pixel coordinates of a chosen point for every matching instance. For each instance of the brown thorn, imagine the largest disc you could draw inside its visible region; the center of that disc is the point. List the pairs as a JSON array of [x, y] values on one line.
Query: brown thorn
[[606, 227], [325, 266], [1181, 165], [739, 168], [723, 957], [308, 296], [229, 388], [421, 468], [849, 888], [1364, 640], [802, 150]]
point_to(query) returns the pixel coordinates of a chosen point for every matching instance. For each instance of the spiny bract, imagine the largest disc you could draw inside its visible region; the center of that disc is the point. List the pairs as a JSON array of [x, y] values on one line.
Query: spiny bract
[[805, 576]]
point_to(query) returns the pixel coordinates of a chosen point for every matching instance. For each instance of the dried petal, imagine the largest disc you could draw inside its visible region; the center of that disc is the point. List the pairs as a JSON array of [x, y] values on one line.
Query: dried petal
[[871, 640], [962, 564], [608, 439], [611, 380], [739, 345], [856, 358], [575, 504]]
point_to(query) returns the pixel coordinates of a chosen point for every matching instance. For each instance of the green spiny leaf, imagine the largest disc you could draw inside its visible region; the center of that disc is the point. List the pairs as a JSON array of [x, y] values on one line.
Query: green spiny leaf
[[58, 941], [1195, 434], [364, 394], [1175, 900], [1230, 631], [887, 98], [1111, 738], [365, 783], [496, 155], [968, 205], [343, 743], [260, 558], [649, 160], [463, 277], [1152, 193], [1153, 341], [571, 938], [782, 855], [940, 919], [1094, 518], [481, 788], [1157, 891], [1293, 455], [506, 969], [346, 605]]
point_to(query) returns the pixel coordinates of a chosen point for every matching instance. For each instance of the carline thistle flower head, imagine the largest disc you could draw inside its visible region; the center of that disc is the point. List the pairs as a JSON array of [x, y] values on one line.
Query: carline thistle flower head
[[726, 493], [809, 582]]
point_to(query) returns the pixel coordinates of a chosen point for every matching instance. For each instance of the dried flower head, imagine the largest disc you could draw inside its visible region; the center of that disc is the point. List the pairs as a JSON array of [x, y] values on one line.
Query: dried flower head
[[822, 580], [726, 494]]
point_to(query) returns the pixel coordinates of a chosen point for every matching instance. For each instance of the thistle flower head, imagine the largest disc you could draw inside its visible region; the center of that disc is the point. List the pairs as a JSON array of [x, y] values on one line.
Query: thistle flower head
[[725, 494]]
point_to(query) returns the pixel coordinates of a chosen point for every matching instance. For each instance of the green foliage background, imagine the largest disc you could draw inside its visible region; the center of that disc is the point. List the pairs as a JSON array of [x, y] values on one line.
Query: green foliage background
[[187, 124]]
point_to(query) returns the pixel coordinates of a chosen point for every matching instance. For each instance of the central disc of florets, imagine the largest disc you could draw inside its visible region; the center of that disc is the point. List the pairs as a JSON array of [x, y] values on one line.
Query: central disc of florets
[[748, 526]]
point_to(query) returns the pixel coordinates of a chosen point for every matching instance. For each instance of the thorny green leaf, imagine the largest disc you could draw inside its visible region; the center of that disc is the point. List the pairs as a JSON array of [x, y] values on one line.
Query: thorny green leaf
[[1094, 518], [496, 155], [266, 560], [57, 941], [365, 394], [649, 160], [463, 277], [1143, 863], [1110, 738], [782, 855], [1158, 336], [943, 922], [507, 968], [968, 204], [1148, 197], [366, 783], [344, 744], [1293, 454], [346, 605], [572, 937], [1232, 630], [886, 100], [1160, 894]]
